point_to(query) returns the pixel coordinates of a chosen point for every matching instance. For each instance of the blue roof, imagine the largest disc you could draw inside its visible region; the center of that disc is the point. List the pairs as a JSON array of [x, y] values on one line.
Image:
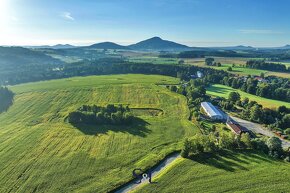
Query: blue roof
[[211, 110]]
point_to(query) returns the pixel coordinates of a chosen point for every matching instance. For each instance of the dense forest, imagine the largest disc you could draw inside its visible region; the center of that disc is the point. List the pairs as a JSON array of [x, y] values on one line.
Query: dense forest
[[111, 114], [6, 99], [263, 65], [102, 66]]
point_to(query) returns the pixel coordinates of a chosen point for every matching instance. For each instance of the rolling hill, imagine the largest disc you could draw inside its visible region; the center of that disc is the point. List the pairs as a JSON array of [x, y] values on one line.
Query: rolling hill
[[41, 152], [18, 57], [108, 45]]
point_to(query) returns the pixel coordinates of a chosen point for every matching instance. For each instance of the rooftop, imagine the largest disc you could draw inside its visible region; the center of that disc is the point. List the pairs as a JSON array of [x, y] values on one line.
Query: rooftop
[[212, 110]]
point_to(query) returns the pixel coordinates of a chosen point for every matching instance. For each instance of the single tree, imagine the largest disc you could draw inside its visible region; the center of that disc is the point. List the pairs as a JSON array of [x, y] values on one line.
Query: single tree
[[234, 96]]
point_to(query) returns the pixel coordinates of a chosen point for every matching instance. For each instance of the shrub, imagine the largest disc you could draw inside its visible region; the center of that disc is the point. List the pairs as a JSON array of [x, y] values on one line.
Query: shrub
[[260, 144]]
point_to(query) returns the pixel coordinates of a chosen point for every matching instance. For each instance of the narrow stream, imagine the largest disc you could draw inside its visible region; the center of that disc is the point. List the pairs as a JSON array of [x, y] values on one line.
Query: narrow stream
[[155, 171]]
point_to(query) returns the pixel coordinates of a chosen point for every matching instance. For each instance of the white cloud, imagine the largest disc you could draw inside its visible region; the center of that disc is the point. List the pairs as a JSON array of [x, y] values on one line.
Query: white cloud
[[67, 16], [259, 31]]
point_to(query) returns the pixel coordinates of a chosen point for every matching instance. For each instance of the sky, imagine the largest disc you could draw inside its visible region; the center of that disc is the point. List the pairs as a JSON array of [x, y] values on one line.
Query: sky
[[260, 23]]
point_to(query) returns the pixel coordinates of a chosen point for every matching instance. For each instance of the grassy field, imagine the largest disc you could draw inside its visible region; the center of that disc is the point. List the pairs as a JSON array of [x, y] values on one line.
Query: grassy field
[[154, 60], [40, 152], [223, 91], [245, 171]]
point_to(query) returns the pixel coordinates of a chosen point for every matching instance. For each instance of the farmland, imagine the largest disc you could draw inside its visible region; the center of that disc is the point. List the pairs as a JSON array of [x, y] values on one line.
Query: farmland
[[219, 90], [246, 171], [238, 67], [41, 152]]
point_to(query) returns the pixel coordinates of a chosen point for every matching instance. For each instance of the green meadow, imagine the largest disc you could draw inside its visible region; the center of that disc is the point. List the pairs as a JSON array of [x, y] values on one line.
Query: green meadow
[[245, 171], [41, 152], [154, 60], [219, 90]]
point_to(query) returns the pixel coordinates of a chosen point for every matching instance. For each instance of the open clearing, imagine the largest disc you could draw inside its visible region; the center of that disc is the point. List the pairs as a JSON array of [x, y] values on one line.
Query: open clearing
[[223, 91], [245, 171], [40, 152]]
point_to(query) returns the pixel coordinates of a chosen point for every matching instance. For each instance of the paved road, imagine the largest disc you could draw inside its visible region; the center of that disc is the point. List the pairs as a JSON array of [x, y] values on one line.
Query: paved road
[[257, 128], [157, 169]]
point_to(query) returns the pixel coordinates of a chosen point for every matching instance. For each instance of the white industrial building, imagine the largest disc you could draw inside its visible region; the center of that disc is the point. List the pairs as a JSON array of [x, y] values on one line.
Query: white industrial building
[[211, 111]]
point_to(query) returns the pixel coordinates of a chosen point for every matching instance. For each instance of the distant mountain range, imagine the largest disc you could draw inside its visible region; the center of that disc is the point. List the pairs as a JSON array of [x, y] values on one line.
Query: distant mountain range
[[58, 46], [240, 47], [156, 44]]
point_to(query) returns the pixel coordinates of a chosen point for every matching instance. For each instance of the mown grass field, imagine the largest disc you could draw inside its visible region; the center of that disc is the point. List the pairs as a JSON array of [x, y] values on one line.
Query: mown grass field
[[223, 91], [246, 171], [40, 152]]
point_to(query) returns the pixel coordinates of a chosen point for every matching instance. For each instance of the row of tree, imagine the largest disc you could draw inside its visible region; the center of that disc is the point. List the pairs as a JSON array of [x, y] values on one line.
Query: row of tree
[[271, 87], [263, 65], [274, 55], [6, 99], [111, 114], [199, 144]]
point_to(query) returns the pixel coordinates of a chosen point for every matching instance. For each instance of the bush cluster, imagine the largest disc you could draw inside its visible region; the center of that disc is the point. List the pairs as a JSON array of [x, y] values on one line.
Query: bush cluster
[[111, 114]]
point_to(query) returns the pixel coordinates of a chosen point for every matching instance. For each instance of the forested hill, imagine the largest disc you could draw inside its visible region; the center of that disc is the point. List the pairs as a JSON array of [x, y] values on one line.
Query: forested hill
[[18, 57], [157, 43]]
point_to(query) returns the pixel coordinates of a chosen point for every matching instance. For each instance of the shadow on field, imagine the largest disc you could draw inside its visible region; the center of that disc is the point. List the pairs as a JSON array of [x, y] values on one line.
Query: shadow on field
[[229, 161], [138, 128]]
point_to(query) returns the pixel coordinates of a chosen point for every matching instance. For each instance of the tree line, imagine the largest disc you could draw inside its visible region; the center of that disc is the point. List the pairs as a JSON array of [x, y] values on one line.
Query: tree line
[[273, 55], [6, 99], [211, 143], [111, 114], [263, 65], [273, 87]]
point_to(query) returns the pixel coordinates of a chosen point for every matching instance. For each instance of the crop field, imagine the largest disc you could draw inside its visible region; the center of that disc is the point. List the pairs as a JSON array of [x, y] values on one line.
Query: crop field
[[245, 171], [41, 152], [223, 91]]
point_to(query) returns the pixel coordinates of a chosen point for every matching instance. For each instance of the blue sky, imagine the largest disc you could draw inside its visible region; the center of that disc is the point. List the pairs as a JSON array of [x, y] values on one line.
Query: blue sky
[[192, 22]]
